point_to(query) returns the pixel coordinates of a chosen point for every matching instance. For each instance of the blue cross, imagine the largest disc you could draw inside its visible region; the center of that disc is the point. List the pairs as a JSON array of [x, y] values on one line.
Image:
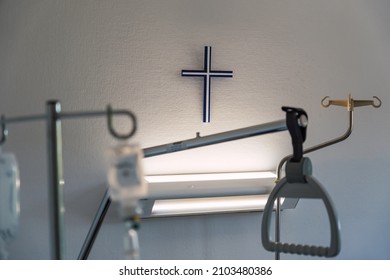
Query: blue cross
[[207, 74]]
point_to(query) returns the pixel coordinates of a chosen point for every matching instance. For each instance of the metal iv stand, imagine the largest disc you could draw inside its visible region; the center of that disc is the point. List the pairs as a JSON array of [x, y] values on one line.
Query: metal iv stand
[[53, 119]]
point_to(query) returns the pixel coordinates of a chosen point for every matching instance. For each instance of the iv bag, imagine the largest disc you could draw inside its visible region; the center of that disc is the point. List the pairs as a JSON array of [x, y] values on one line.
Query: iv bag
[[126, 176], [9, 195]]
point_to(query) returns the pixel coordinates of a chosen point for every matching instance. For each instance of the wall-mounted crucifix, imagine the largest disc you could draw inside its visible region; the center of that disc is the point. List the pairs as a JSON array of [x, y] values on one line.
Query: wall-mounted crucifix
[[207, 74]]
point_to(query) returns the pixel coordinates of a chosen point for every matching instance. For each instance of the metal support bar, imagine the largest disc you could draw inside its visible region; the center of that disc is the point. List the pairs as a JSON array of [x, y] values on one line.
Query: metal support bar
[[196, 142], [218, 138], [95, 227], [55, 180], [277, 225], [319, 146], [63, 115]]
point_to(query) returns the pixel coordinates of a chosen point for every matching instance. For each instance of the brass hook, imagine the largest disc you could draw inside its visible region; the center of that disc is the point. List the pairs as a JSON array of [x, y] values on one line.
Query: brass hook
[[344, 103], [351, 103], [323, 104], [4, 131], [359, 103], [111, 129]]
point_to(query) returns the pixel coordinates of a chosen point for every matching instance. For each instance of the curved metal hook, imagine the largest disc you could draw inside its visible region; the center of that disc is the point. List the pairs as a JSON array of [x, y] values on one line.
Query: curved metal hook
[[323, 104], [345, 103], [4, 131], [111, 129], [351, 103], [373, 103]]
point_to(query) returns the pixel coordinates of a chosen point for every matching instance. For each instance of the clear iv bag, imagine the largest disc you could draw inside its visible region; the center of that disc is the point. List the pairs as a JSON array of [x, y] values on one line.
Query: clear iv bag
[[9, 195], [125, 175]]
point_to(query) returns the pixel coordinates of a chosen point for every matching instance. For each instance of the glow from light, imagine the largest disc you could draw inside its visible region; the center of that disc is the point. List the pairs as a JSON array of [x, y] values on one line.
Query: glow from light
[[209, 205], [209, 177], [195, 194]]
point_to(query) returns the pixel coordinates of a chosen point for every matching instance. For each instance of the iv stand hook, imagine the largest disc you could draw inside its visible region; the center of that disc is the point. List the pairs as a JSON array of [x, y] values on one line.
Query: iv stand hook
[[351, 103], [111, 129]]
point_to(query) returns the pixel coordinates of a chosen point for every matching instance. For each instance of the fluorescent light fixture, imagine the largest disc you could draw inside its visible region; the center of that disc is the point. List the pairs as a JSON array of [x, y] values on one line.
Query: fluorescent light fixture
[[210, 185], [208, 205], [196, 194]]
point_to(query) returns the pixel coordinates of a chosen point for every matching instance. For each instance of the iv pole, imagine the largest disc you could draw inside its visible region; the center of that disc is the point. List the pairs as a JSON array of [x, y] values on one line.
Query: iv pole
[[53, 118]]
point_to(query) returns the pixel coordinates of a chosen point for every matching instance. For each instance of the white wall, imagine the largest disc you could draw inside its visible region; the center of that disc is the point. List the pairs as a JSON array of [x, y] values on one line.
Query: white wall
[[130, 54]]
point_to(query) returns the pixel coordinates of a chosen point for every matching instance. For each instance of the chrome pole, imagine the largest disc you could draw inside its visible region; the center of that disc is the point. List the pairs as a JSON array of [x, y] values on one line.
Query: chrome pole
[[95, 227], [201, 141], [55, 180], [277, 226]]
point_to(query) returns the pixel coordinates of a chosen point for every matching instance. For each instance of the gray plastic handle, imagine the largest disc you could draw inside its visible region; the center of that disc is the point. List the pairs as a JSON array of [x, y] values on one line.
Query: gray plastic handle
[[311, 189]]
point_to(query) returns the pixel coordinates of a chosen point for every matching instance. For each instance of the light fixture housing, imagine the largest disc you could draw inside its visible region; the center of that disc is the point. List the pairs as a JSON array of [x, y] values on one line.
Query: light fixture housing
[[211, 193]]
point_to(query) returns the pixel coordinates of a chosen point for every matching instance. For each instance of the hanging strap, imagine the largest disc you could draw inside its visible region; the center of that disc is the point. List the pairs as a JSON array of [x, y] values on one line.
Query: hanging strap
[[296, 120]]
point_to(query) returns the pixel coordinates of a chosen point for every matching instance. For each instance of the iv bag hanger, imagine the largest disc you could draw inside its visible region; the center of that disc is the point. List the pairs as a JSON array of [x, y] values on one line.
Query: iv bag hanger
[[111, 129], [350, 104], [53, 119]]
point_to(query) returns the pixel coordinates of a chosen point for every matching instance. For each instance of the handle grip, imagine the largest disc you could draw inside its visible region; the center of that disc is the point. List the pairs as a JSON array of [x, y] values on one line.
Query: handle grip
[[316, 251], [311, 189]]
